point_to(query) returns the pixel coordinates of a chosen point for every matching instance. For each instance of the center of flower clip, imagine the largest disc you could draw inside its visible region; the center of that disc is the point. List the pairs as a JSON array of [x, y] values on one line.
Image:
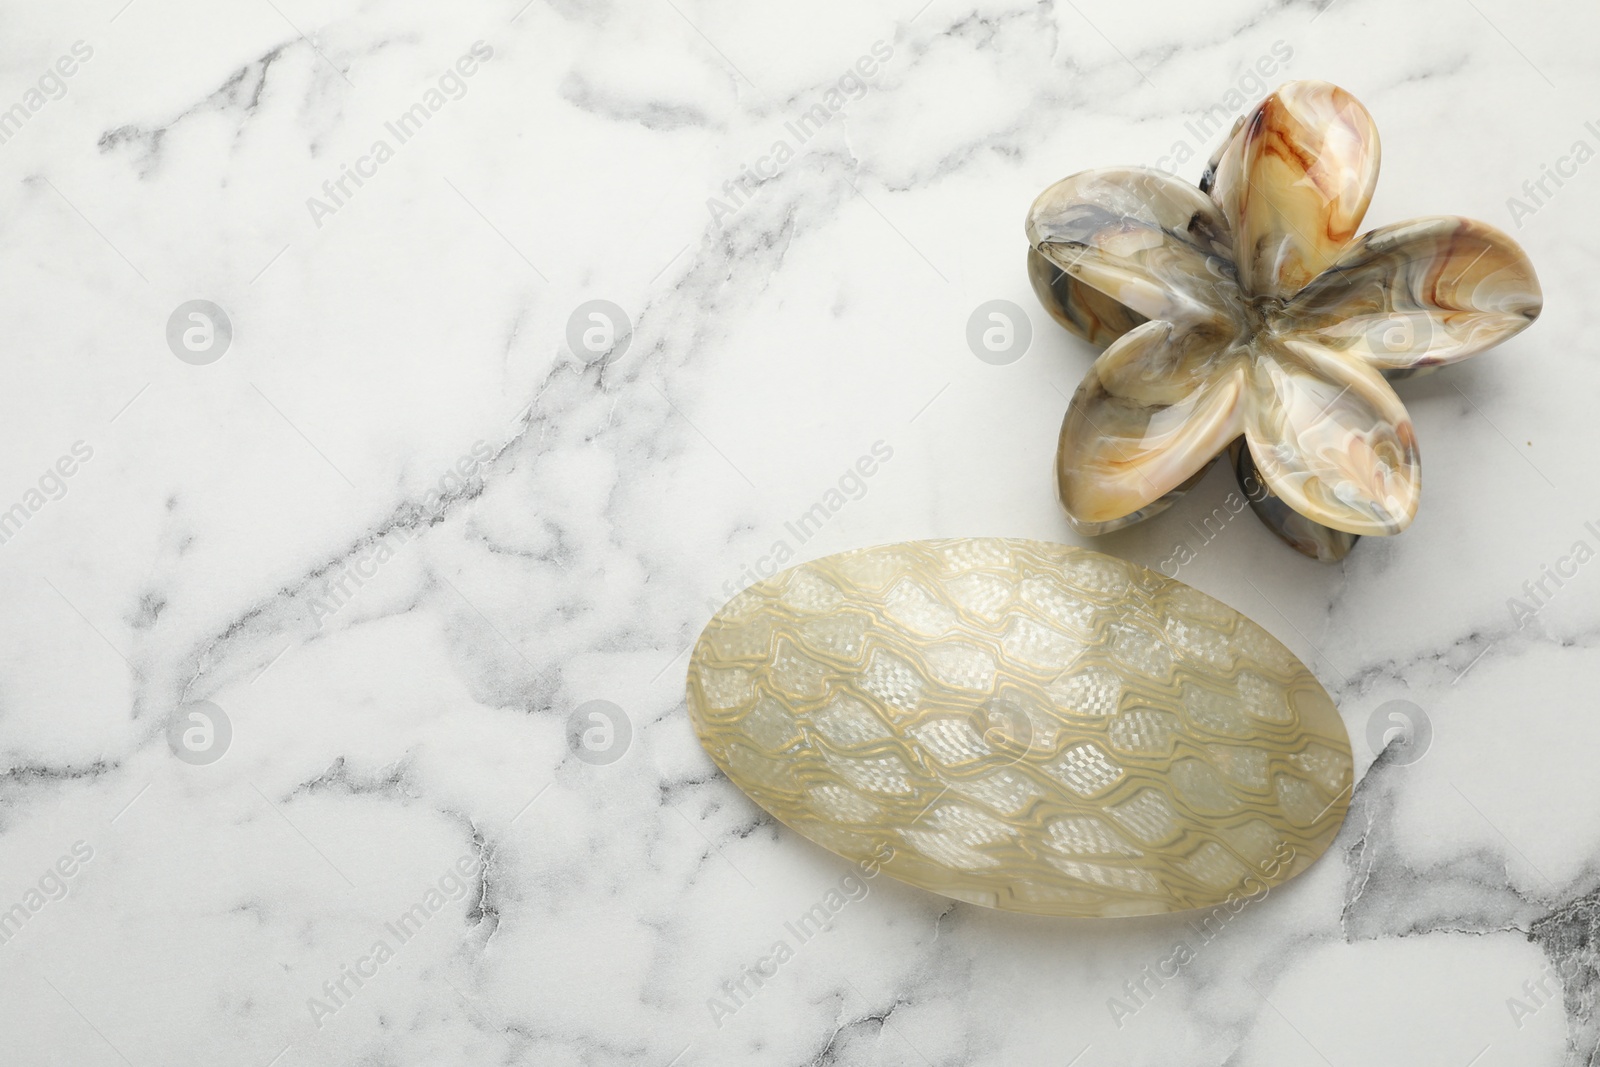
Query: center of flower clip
[[1258, 318]]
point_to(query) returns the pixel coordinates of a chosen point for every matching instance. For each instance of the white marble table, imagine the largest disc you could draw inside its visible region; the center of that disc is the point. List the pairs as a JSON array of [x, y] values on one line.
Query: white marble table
[[399, 531]]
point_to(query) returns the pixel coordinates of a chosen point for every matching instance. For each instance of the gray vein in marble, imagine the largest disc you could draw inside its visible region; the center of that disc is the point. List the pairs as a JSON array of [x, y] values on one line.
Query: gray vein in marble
[[240, 92], [578, 91]]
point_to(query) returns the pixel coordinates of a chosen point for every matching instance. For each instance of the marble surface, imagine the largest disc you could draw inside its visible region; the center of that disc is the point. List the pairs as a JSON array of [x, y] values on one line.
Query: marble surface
[[402, 535]]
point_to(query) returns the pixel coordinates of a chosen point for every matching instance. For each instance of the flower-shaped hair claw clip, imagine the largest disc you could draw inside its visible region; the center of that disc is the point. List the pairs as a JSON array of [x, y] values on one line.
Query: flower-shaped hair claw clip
[[1248, 309]]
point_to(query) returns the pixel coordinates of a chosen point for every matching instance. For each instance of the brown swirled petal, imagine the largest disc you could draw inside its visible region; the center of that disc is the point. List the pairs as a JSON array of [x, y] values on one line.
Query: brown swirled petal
[[1322, 543], [1148, 241], [1089, 313], [1294, 183], [1418, 294], [1332, 440], [1152, 413]]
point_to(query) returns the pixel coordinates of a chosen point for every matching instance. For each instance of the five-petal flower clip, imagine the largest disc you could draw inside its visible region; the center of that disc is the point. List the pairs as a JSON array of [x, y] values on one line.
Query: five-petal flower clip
[[1246, 313]]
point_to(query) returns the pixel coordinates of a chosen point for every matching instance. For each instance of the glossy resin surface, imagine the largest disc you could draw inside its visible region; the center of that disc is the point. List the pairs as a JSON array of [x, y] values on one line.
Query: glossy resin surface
[[1023, 725], [1248, 308]]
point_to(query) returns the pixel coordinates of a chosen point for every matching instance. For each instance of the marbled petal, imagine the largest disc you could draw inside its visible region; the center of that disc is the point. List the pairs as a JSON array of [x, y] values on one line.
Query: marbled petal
[[1321, 543], [1333, 441], [1152, 412], [1145, 239], [1086, 312], [1418, 294], [1208, 177], [1294, 182]]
